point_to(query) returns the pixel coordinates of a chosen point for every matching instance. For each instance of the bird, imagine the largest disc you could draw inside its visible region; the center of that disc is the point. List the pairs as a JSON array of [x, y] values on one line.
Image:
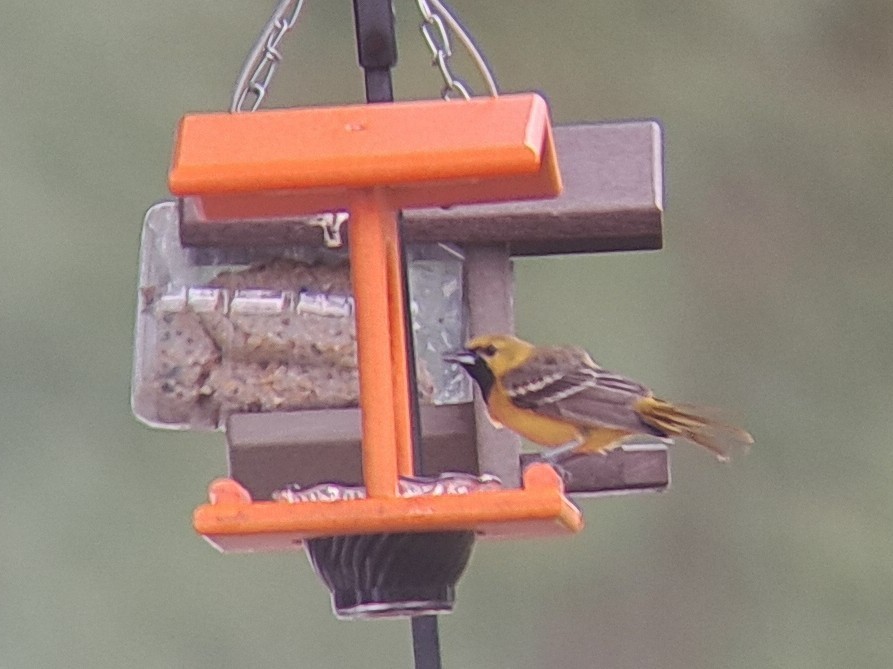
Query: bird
[[558, 397]]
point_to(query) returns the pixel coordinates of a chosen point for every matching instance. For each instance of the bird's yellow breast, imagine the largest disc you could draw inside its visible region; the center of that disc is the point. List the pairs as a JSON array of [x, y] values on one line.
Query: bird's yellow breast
[[529, 424]]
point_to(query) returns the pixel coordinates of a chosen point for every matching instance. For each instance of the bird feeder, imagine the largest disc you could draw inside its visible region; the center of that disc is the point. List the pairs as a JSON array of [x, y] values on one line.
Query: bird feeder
[[248, 322], [611, 201], [370, 161]]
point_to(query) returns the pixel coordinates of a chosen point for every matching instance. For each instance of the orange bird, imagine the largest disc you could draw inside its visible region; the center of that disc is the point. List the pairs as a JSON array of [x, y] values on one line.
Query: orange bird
[[558, 397]]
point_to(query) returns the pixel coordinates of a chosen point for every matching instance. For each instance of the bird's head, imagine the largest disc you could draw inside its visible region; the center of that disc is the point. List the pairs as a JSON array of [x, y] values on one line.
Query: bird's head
[[488, 357]]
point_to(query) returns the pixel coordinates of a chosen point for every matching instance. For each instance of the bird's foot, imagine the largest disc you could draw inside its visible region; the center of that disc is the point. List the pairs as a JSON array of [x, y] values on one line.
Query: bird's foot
[[560, 453], [555, 463], [555, 456]]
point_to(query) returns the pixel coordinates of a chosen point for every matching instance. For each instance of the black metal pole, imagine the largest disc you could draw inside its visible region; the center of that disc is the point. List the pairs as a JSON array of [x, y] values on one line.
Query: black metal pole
[[377, 52], [426, 642], [376, 46]]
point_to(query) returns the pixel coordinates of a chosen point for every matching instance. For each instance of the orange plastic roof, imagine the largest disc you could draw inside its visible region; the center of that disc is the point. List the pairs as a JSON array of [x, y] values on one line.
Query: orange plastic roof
[[429, 153]]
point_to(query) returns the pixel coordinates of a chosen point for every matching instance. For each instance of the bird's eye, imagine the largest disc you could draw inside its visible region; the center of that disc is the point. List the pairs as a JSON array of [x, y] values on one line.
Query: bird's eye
[[489, 350]]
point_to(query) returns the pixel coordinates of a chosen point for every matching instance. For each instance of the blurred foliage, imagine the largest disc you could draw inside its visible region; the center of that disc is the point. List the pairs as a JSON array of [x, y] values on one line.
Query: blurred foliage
[[772, 297]]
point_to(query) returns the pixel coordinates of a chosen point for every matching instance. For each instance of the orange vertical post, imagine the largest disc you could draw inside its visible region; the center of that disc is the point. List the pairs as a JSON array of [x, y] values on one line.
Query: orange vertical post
[[399, 328], [379, 316]]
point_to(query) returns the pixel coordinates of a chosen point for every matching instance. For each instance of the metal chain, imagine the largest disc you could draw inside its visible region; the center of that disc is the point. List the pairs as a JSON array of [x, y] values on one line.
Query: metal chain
[[438, 41], [434, 30], [264, 57]]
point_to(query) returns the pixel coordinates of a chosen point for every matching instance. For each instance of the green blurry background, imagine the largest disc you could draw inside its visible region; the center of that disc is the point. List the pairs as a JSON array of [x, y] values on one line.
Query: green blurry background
[[772, 297]]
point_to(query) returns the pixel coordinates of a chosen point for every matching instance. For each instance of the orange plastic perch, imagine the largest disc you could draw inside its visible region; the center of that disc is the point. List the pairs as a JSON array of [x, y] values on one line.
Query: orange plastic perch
[[234, 523], [373, 160]]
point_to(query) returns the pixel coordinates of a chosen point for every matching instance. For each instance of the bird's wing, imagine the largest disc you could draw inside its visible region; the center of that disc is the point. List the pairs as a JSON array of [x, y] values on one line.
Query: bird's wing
[[565, 383]]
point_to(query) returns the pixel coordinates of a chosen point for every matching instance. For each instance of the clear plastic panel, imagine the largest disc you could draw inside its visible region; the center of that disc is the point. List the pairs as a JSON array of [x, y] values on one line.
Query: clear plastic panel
[[437, 306], [271, 329]]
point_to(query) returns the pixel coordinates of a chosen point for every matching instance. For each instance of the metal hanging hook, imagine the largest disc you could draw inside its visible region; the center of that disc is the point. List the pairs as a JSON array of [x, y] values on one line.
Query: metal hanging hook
[[330, 223]]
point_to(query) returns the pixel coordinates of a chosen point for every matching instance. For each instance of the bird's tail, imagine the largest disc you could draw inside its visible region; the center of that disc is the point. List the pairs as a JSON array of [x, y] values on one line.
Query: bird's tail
[[692, 423]]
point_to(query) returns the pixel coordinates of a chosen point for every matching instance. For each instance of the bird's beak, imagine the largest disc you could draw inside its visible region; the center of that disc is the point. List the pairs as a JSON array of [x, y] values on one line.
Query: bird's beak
[[463, 357]]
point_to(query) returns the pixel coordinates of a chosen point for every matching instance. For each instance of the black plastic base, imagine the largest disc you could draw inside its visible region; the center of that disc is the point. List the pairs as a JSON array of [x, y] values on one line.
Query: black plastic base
[[391, 575]]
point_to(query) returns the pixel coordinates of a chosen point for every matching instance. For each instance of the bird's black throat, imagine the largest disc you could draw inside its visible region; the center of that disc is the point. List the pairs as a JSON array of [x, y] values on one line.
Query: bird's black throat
[[482, 375]]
